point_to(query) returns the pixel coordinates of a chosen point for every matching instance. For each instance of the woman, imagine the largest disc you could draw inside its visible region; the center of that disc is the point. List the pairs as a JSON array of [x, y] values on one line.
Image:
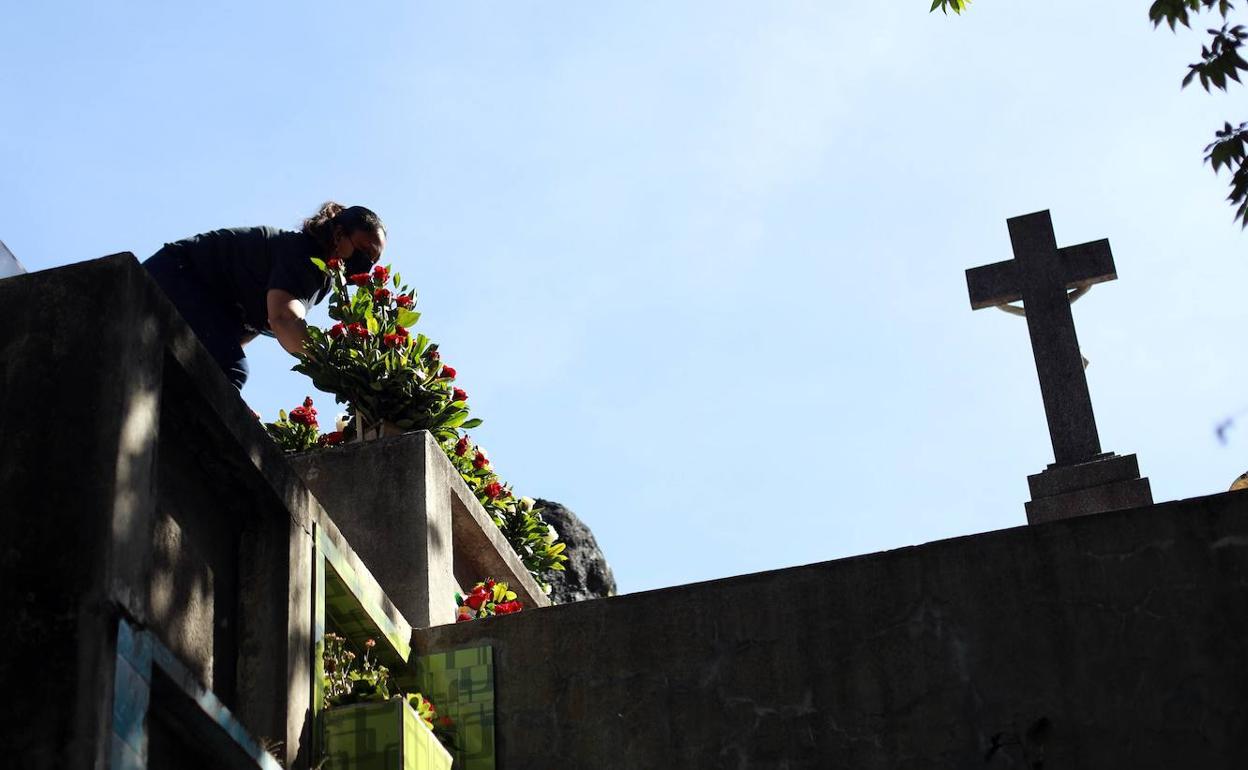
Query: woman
[[231, 285]]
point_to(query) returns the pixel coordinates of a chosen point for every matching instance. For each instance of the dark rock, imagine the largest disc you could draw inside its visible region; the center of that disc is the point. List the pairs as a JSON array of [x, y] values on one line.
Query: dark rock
[[588, 576]]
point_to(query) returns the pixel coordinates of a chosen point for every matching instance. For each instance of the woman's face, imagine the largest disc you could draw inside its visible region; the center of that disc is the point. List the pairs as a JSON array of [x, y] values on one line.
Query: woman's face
[[360, 250]]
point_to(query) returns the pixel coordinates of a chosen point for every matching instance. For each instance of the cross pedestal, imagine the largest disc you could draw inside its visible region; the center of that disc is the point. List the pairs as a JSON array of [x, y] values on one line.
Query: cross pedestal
[[1082, 478]]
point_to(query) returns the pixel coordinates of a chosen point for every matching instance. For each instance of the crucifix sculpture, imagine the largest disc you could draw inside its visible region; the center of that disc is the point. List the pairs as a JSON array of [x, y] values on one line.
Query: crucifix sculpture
[[1082, 478]]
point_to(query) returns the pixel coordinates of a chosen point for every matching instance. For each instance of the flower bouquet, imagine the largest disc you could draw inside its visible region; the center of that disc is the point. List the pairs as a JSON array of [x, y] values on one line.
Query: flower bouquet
[[486, 598], [393, 381], [297, 431]]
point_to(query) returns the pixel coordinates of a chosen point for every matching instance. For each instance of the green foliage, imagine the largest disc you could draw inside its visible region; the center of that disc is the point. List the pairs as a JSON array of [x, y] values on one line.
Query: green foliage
[[345, 681], [945, 6], [296, 432], [1174, 12], [1229, 150], [371, 361], [1220, 62], [519, 518]]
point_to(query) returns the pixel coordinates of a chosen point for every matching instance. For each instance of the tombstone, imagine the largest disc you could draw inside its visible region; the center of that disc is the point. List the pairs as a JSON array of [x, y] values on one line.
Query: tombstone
[[1082, 479], [410, 516], [139, 493]]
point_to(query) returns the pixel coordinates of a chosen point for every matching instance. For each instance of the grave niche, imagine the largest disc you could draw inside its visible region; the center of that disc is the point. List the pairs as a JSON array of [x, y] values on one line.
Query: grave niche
[[137, 488]]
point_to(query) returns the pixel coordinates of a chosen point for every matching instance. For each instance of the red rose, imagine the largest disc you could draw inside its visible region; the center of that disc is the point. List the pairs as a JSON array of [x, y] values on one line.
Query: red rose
[[333, 263], [461, 446], [480, 461], [399, 330], [380, 274], [359, 279], [394, 340], [493, 489], [403, 300], [307, 401], [329, 439], [359, 330], [448, 372], [337, 330], [433, 355], [507, 608], [381, 295], [459, 395], [475, 600]]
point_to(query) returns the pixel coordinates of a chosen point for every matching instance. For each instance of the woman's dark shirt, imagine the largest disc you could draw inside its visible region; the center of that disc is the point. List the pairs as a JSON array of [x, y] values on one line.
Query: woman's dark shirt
[[241, 264]]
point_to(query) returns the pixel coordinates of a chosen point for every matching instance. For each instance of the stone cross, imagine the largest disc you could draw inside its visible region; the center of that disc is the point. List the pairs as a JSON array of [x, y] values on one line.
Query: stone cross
[[1082, 479], [1039, 275]]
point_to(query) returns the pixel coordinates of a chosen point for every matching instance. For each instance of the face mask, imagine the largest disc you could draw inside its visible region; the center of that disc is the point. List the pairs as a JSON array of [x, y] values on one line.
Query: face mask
[[359, 262]]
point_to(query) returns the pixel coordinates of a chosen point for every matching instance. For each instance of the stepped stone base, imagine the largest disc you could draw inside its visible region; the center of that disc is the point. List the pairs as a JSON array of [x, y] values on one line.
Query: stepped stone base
[[1108, 483]]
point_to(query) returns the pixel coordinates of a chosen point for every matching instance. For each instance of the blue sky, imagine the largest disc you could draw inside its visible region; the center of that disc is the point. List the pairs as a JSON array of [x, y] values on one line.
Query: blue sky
[[699, 265]]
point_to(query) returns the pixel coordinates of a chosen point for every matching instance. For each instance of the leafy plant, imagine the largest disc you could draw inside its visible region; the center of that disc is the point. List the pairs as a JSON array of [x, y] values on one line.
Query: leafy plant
[[487, 598], [370, 360], [520, 520], [296, 432], [346, 681]]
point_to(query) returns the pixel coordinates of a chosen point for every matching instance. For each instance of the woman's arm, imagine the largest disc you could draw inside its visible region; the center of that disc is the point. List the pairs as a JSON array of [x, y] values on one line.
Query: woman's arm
[[286, 320]]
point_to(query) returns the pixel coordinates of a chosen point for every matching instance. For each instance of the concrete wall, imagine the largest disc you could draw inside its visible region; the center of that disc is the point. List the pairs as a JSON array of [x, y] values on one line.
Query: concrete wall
[[1118, 640], [135, 483], [413, 520]]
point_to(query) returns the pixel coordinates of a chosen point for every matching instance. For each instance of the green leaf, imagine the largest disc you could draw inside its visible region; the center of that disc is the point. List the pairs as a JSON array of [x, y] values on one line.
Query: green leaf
[[407, 318], [470, 424], [320, 265]]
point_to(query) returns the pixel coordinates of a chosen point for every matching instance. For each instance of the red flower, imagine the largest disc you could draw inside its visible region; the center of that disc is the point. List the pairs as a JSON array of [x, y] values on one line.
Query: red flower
[[337, 330], [480, 461], [359, 279], [493, 489], [333, 263], [307, 401], [359, 330], [381, 295], [329, 439], [475, 600], [380, 274], [394, 340], [433, 355], [402, 332], [507, 608], [461, 446], [448, 372], [404, 300], [459, 395], [303, 415]]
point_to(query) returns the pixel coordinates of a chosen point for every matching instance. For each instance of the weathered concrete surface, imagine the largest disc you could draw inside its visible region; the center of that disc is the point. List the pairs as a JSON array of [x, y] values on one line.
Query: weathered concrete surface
[[412, 519], [134, 482], [1115, 640]]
